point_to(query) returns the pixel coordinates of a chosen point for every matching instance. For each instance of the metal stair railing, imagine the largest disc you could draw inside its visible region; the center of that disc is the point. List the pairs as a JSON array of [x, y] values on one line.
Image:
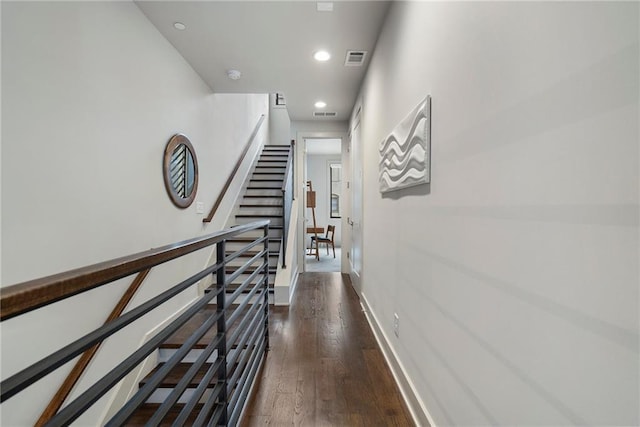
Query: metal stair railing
[[249, 339]]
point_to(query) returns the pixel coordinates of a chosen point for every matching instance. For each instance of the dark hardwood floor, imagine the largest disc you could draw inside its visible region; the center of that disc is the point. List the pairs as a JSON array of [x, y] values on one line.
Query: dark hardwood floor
[[324, 367]]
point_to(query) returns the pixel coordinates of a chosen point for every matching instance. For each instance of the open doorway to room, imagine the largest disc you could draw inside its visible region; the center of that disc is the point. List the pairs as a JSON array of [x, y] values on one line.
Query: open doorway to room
[[324, 207]]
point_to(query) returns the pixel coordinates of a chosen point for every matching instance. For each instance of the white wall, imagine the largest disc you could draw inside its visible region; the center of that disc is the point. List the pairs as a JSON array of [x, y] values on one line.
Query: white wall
[[91, 94], [319, 125], [318, 173], [279, 123], [515, 272]]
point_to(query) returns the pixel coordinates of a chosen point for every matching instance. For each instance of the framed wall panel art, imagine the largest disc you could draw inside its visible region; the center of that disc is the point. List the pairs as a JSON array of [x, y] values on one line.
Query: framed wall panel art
[[405, 154]]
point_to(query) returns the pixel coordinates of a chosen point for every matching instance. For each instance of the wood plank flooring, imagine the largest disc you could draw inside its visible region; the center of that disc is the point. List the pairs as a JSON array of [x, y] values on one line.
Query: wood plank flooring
[[324, 367]]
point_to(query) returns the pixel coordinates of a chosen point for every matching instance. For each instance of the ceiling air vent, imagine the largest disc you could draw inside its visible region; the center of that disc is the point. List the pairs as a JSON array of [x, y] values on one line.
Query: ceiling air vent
[[324, 114], [355, 58]]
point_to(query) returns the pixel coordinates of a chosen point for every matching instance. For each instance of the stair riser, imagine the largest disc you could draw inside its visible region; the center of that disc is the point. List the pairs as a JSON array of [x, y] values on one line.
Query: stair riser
[[265, 185], [274, 233], [243, 277], [260, 203], [240, 261], [274, 221], [260, 175], [233, 247], [267, 211], [264, 192], [271, 169], [161, 394], [165, 353], [243, 297], [272, 164]]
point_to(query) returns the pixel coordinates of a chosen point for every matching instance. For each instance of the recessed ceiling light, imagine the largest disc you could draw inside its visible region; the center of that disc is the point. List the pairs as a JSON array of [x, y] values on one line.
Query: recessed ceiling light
[[322, 55], [234, 74], [179, 26], [324, 6], [320, 104]]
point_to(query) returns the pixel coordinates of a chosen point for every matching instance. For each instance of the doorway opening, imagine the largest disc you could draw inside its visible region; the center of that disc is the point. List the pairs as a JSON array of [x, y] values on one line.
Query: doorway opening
[[323, 211]]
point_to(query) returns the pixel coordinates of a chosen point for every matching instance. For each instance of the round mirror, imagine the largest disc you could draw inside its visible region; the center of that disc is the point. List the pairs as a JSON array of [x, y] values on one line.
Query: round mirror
[[180, 171]]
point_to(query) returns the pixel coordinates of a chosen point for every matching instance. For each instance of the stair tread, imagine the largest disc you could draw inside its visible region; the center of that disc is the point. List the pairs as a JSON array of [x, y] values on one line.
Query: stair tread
[[177, 373], [231, 289], [250, 239], [146, 411], [251, 254], [249, 270], [185, 331], [258, 215]]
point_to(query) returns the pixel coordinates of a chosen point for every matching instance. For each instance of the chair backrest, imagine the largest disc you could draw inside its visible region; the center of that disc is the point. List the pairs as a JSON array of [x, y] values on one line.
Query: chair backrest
[[331, 229]]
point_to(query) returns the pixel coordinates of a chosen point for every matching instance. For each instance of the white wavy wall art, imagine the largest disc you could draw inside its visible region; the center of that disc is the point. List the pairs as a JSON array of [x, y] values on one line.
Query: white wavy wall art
[[404, 154]]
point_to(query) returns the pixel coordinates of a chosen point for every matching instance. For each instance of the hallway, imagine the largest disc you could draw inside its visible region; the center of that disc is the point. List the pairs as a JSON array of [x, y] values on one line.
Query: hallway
[[324, 366]]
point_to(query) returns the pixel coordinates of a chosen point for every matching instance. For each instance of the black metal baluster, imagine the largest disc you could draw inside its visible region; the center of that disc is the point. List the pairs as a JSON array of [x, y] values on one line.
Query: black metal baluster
[[222, 327], [266, 285]]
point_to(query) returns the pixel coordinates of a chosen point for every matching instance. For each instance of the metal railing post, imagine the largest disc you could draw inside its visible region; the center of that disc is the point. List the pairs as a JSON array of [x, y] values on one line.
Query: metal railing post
[[266, 285], [222, 326]]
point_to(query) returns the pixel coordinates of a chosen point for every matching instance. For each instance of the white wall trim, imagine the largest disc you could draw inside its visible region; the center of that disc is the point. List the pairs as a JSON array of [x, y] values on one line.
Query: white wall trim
[[294, 283], [301, 175], [419, 412], [286, 277]]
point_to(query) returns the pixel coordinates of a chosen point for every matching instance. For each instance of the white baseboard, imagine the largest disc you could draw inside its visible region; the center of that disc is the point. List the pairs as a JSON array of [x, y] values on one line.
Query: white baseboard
[[294, 284], [282, 295], [417, 408]]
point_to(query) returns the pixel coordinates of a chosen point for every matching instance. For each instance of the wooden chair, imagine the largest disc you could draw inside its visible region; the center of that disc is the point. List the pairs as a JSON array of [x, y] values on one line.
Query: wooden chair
[[327, 239]]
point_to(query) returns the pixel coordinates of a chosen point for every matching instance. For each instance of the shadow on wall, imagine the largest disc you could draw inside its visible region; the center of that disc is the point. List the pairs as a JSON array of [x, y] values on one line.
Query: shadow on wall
[[418, 190]]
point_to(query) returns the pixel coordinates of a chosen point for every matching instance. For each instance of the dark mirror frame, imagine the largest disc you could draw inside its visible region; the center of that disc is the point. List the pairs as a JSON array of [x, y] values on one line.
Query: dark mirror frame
[[175, 142]]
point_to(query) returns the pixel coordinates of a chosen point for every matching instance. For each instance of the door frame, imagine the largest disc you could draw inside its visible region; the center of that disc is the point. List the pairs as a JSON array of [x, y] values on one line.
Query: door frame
[[301, 173]]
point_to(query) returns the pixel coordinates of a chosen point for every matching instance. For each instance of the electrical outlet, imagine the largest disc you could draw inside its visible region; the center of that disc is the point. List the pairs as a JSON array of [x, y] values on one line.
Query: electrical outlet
[[199, 207], [396, 324]]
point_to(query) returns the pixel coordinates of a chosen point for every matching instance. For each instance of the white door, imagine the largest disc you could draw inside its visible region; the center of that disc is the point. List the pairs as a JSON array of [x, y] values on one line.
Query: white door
[[356, 206]]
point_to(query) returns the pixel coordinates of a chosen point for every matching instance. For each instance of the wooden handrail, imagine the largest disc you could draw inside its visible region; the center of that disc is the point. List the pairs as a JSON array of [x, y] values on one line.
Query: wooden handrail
[[233, 172], [288, 179], [81, 365], [289, 165], [27, 296]]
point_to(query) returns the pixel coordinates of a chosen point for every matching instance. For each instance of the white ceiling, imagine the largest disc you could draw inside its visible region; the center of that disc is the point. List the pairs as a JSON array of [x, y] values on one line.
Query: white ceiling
[[272, 44]]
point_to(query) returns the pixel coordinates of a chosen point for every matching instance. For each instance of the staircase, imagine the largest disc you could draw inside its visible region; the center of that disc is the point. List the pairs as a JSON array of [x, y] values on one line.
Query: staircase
[[262, 199]]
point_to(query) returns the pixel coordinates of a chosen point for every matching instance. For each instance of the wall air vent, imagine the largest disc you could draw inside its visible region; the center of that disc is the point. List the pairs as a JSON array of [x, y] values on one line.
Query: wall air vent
[[355, 58], [324, 114]]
